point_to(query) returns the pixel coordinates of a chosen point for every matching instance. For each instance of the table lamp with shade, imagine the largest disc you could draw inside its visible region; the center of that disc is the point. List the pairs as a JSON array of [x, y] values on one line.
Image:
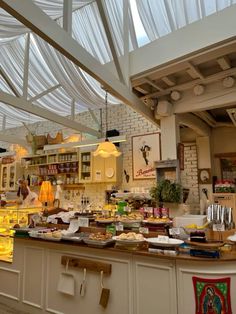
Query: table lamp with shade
[[46, 194]]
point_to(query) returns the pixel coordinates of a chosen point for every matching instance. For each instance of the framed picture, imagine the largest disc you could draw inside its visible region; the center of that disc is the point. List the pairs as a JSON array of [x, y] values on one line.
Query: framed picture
[[204, 176], [145, 151]]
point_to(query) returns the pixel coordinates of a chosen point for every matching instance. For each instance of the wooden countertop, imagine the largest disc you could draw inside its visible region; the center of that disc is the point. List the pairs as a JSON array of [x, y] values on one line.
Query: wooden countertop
[[225, 256]]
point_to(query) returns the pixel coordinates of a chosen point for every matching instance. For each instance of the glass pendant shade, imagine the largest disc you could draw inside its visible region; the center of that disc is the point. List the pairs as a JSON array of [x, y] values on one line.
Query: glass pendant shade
[[106, 149]]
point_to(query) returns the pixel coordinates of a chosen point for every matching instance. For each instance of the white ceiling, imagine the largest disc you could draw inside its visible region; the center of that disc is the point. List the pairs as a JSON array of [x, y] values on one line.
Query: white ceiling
[[65, 82]]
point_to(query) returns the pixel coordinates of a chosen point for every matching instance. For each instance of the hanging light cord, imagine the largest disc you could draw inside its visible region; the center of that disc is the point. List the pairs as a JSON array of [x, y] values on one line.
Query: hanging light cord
[[106, 122]]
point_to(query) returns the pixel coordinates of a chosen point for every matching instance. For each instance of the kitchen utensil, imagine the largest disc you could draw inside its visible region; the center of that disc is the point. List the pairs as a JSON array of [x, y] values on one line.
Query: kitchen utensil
[[104, 294], [66, 282], [83, 284]]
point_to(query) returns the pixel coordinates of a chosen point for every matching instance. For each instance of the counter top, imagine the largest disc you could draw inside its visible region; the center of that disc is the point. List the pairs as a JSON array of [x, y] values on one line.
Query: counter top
[[225, 256]]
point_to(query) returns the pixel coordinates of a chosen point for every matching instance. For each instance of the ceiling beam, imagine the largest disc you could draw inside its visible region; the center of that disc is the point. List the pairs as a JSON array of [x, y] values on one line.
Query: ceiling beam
[[169, 81], [193, 122], [224, 63], [34, 18], [47, 91], [67, 16], [205, 116], [95, 119], [220, 29], [217, 99], [150, 82], [26, 66], [101, 9], [9, 82], [181, 87], [25, 105], [12, 139], [194, 71]]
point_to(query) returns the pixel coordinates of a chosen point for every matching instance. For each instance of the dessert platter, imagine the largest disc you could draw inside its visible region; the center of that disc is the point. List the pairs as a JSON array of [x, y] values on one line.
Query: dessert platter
[[157, 221], [46, 234], [164, 241], [99, 240]]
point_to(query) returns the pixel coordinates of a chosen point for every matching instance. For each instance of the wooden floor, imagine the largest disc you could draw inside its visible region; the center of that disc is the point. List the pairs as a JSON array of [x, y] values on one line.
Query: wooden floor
[[5, 309]]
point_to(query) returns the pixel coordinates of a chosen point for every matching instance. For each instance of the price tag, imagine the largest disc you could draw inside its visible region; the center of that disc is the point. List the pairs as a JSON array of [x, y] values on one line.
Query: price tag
[[83, 222], [143, 230], [174, 231], [218, 227], [119, 227]]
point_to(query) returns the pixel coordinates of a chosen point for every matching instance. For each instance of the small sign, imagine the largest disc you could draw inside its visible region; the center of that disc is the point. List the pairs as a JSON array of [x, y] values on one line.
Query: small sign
[[119, 227], [218, 227], [143, 230], [83, 222]]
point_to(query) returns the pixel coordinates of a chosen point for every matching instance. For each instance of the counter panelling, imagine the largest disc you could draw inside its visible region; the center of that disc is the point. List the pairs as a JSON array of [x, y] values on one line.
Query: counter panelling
[[140, 282]]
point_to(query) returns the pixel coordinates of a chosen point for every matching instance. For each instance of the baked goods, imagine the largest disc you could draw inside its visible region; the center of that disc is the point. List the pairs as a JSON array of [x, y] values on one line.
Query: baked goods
[[100, 236], [131, 236]]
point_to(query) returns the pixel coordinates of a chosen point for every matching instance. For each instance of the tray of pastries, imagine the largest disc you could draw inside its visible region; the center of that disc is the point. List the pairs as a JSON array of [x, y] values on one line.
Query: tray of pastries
[[99, 240]]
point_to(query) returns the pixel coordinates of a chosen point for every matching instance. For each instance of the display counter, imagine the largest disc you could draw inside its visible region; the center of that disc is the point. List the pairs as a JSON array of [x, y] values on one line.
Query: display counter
[[139, 282], [9, 217]]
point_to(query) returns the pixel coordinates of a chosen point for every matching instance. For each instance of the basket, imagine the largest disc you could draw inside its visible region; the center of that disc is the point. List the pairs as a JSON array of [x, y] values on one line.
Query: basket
[[55, 140], [40, 141]]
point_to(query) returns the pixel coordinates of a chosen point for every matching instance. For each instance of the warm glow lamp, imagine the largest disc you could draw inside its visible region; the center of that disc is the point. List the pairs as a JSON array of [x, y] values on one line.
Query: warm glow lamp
[[46, 194], [106, 148]]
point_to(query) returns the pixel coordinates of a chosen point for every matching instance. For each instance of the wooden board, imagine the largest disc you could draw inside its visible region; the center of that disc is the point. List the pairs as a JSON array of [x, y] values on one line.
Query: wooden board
[[92, 265]]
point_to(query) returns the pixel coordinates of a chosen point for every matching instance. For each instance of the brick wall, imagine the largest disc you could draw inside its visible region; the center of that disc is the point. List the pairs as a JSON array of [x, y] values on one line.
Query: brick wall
[[189, 176], [129, 123]]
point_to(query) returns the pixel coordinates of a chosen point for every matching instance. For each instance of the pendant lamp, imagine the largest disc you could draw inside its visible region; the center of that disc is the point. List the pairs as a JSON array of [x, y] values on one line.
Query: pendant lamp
[[106, 148]]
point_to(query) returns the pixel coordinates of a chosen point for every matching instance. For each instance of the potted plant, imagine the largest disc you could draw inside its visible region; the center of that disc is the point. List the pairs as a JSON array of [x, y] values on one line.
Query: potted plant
[[166, 192]]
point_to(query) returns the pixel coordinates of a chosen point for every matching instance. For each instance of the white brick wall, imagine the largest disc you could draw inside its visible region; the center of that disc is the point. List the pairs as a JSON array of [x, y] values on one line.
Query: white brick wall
[[189, 176], [129, 123]]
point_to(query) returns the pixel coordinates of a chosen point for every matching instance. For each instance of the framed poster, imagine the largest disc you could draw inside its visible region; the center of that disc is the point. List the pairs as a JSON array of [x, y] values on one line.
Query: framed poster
[[145, 151]]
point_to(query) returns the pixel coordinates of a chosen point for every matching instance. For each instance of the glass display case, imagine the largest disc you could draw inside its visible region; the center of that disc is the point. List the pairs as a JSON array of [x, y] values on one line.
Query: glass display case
[[10, 217]]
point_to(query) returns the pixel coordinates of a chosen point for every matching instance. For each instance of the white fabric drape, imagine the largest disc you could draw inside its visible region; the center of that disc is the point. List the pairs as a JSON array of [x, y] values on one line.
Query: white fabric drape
[[48, 67], [161, 17]]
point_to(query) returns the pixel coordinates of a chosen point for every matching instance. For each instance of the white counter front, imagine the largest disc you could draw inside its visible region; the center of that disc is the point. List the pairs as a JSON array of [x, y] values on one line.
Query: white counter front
[[139, 283]]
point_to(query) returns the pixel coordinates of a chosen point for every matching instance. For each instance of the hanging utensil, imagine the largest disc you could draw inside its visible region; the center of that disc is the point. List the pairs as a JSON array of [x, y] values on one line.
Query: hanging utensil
[[104, 294], [83, 284]]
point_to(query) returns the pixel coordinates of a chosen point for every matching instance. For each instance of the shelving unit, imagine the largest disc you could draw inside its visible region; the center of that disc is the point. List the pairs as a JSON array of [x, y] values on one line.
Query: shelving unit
[[61, 165], [85, 167], [10, 173]]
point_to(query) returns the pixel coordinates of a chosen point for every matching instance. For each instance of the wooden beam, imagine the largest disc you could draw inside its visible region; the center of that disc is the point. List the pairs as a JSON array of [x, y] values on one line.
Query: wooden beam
[[217, 99], [205, 116], [169, 81], [9, 82], [188, 85], [220, 30], [194, 71], [141, 90], [146, 80], [224, 63], [13, 139], [47, 91], [26, 66], [4, 120], [194, 123], [34, 18], [25, 105], [67, 16], [101, 9], [95, 119]]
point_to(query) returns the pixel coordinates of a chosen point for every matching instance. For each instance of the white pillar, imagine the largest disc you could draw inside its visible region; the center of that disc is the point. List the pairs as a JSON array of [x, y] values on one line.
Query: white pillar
[[169, 137]]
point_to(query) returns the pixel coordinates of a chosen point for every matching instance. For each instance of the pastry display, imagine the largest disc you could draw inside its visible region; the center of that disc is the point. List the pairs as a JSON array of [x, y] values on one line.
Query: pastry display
[[131, 236], [156, 220], [100, 236]]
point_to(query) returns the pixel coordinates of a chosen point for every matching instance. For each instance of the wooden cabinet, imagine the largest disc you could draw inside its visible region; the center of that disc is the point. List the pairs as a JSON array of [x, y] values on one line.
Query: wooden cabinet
[[85, 166], [10, 173], [106, 169]]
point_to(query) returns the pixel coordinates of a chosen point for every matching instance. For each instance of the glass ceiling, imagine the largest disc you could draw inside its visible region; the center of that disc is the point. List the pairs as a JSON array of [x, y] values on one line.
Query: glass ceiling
[[148, 21]]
